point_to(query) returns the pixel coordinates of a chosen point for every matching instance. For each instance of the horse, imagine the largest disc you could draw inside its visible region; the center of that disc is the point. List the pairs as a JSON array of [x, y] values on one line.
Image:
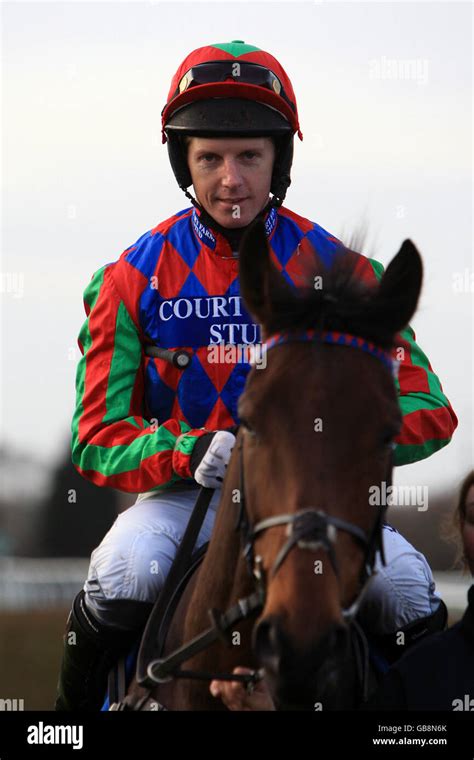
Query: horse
[[295, 537]]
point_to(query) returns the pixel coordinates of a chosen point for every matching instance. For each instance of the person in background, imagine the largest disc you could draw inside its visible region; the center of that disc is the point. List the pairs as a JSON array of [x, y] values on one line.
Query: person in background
[[463, 520], [438, 673]]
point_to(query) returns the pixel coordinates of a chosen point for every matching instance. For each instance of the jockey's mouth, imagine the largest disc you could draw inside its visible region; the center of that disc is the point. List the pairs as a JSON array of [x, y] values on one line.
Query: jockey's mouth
[[232, 200]]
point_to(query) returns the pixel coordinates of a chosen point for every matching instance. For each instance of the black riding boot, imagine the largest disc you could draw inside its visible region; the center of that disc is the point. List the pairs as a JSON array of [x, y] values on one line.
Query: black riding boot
[[90, 650]]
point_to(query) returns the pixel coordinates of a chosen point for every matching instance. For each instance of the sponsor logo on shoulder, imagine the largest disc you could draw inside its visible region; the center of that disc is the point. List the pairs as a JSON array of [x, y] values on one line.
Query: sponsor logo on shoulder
[[270, 221], [202, 231]]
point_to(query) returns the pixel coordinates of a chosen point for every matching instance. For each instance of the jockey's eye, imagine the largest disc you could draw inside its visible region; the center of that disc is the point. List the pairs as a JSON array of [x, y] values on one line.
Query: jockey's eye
[[207, 158]]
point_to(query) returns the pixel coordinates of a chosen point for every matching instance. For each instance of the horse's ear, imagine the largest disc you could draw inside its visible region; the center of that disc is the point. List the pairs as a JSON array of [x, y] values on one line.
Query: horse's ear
[[396, 299], [262, 287]]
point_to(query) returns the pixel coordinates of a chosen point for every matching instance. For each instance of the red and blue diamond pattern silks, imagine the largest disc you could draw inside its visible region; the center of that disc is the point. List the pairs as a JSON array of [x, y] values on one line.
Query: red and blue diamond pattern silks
[[137, 418]]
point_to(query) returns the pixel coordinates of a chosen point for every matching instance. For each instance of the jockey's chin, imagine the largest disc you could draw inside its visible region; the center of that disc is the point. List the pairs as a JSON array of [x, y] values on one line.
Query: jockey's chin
[[234, 213]]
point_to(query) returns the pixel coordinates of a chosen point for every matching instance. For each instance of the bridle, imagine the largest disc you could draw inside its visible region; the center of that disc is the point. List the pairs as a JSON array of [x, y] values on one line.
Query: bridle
[[307, 529], [311, 528]]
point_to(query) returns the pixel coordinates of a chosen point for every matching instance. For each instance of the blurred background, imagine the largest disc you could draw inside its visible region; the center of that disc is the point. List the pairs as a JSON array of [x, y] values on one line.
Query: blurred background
[[385, 100]]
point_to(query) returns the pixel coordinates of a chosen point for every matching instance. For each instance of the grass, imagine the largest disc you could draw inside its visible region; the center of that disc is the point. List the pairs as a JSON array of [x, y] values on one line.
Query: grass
[[30, 656]]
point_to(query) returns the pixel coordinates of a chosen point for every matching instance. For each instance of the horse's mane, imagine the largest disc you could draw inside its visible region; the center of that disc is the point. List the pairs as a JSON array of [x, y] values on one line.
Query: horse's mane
[[341, 304]]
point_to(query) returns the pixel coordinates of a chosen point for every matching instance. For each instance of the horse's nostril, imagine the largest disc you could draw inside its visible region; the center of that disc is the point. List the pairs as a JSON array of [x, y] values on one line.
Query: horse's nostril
[[338, 640], [267, 642], [338, 635]]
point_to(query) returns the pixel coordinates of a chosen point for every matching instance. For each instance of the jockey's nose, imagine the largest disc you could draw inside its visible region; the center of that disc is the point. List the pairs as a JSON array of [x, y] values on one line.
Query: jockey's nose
[[231, 176]]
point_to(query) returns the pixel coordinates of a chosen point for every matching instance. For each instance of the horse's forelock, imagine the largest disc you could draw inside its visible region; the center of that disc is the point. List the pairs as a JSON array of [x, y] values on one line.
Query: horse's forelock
[[334, 298]]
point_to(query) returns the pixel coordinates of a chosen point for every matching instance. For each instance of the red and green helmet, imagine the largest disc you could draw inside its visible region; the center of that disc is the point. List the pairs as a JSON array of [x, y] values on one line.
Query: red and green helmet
[[231, 89]]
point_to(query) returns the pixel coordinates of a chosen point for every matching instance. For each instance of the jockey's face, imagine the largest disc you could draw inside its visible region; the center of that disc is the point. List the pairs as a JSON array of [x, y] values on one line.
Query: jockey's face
[[231, 176], [467, 527]]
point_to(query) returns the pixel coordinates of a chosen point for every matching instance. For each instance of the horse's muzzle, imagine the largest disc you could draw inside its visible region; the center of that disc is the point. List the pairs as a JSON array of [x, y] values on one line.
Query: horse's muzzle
[[298, 677]]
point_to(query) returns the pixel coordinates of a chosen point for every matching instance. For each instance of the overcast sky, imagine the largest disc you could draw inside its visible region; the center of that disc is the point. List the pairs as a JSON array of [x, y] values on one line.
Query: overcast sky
[[384, 93]]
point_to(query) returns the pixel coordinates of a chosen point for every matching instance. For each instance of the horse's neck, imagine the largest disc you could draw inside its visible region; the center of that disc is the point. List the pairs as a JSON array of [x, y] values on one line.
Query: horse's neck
[[223, 577]]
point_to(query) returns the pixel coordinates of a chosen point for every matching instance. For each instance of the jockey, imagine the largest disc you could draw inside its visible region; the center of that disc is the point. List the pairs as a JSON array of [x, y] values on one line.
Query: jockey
[[146, 427]]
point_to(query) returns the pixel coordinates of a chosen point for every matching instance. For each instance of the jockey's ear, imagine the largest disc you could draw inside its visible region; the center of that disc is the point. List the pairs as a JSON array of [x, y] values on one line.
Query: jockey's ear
[[262, 287], [396, 298]]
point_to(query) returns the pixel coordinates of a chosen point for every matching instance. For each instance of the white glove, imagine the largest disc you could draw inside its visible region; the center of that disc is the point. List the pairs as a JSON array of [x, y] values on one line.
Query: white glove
[[212, 468]]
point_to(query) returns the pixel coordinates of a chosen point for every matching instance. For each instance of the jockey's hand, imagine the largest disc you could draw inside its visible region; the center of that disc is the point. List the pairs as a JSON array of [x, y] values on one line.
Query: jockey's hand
[[210, 457], [237, 696]]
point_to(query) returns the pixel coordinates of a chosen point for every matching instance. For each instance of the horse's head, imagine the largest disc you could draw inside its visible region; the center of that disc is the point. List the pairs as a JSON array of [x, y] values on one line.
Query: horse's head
[[317, 431]]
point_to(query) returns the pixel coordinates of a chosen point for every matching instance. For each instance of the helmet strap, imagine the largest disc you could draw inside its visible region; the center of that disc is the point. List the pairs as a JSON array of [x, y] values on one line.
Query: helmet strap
[[193, 200]]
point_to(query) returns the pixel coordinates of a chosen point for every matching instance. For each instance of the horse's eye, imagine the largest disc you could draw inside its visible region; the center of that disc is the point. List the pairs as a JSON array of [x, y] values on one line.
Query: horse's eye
[[387, 439], [247, 426]]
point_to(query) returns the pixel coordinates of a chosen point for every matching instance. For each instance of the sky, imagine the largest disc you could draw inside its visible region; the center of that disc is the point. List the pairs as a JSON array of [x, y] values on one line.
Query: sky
[[384, 95]]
